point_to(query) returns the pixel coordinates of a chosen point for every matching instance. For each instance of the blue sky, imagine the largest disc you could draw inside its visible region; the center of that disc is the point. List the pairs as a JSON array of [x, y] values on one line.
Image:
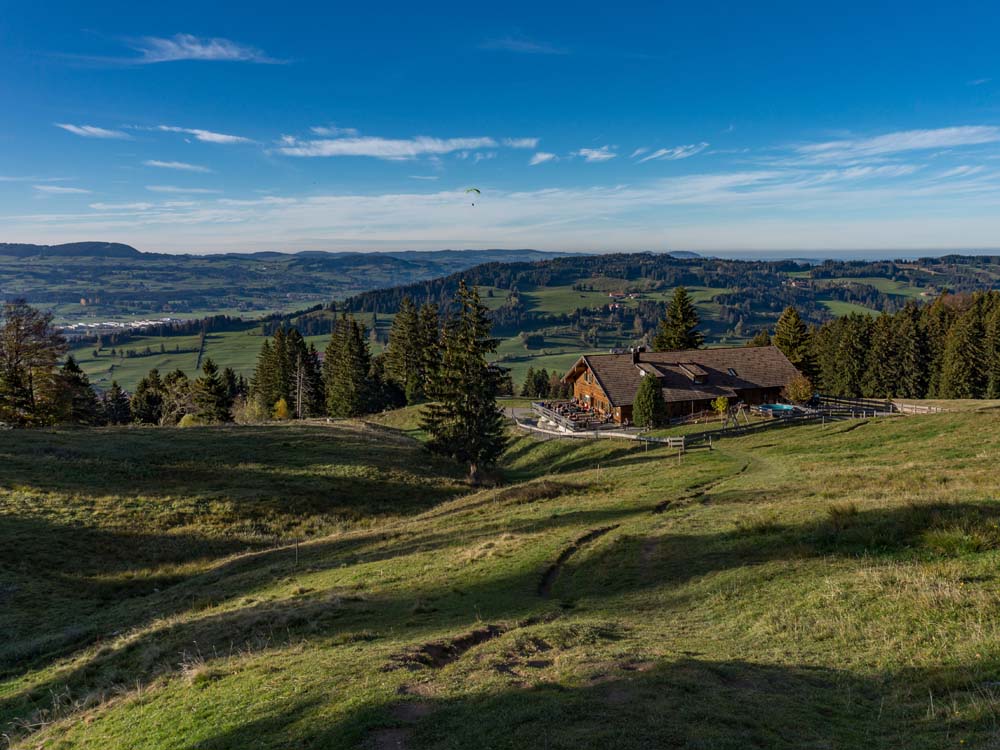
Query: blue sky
[[782, 126]]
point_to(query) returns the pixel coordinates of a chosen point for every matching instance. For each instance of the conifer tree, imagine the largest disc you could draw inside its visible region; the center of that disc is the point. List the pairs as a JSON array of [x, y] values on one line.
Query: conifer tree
[[528, 387], [963, 371], [792, 336], [992, 349], [210, 395], [761, 338], [883, 375], [80, 404], [649, 409], [430, 344], [147, 400], [404, 359], [938, 319], [464, 421], [679, 330], [911, 352], [115, 405], [347, 366]]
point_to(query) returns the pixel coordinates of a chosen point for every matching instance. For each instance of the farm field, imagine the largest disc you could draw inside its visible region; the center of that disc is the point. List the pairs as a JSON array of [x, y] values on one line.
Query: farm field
[[600, 597]]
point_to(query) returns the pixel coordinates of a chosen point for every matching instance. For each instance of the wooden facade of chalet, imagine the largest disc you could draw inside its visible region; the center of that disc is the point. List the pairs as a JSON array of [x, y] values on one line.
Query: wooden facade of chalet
[[690, 379]]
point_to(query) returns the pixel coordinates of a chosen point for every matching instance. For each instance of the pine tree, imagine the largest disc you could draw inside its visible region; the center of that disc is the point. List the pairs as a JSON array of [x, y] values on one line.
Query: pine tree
[[115, 405], [851, 354], [528, 387], [992, 349], [883, 375], [911, 352], [963, 370], [938, 319], [464, 421], [430, 344], [210, 395], [80, 404], [648, 408], [761, 338], [347, 367], [147, 400], [404, 358], [792, 336], [679, 330]]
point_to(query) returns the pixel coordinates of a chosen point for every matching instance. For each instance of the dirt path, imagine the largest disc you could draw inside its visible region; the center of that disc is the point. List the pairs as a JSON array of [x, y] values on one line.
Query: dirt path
[[552, 572]]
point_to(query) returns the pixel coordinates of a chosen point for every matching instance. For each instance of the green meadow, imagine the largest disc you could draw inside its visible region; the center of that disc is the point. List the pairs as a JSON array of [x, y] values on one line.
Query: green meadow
[[331, 585]]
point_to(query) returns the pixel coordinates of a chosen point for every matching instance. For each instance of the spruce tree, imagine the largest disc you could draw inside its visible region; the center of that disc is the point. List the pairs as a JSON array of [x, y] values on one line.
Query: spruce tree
[[912, 353], [649, 409], [938, 319], [792, 336], [883, 375], [347, 366], [963, 369], [404, 359], [528, 387], [430, 344], [761, 338], [115, 405], [147, 400], [464, 421], [992, 349], [210, 395], [80, 402], [679, 330]]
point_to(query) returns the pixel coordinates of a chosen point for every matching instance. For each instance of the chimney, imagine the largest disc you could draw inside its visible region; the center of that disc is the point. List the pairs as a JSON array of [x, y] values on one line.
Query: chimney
[[635, 350]]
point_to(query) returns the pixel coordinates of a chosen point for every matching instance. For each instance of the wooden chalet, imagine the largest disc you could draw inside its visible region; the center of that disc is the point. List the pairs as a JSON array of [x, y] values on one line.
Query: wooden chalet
[[690, 379]]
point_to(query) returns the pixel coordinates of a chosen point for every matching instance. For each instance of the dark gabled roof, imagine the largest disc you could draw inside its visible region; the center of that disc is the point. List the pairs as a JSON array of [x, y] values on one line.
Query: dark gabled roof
[[755, 367]]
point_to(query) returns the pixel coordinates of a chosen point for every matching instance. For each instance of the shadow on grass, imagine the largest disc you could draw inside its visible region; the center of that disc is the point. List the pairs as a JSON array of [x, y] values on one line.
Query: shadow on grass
[[686, 703]]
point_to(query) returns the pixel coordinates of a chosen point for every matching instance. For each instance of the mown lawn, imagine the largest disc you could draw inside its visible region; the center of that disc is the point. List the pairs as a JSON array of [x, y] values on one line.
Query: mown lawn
[[820, 586]]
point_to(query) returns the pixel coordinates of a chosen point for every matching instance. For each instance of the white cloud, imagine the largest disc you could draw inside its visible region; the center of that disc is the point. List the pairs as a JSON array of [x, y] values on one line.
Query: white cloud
[[979, 81], [596, 154], [59, 190], [332, 131], [481, 156], [673, 154], [894, 143], [206, 136], [181, 165], [521, 142], [271, 200], [383, 148], [962, 171], [639, 152], [90, 131], [424, 177], [175, 189], [121, 206], [189, 47], [541, 157]]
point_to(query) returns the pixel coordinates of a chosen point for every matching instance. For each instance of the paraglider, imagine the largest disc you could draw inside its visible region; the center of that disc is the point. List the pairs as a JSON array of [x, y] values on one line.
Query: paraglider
[[473, 190]]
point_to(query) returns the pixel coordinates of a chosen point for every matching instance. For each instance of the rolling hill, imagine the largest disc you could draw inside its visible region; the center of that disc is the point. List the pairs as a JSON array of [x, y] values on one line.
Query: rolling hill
[[820, 586]]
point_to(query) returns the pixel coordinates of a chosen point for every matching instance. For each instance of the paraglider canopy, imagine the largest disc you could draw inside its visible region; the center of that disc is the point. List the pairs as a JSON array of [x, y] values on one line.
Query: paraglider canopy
[[473, 190]]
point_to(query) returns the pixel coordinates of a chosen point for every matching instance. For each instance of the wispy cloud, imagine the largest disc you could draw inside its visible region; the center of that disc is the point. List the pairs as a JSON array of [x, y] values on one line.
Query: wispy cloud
[[596, 154], [90, 131], [523, 45], [963, 170], [31, 178], [136, 206], [59, 190], [382, 148], [639, 152], [673, 154], [180, 165], [333, 131], [424, 177], [206, 136], [893, 143], [176, 189], [541, 157], [978, 81], [521, 142], [154, 49]]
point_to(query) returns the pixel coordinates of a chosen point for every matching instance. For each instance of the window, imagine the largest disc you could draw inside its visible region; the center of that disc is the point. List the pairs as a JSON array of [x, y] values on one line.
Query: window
[[732, 372], [586, 376]]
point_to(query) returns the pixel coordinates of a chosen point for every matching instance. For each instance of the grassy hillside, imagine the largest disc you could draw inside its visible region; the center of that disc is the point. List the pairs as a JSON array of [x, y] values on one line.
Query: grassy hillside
[[824, 586]]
